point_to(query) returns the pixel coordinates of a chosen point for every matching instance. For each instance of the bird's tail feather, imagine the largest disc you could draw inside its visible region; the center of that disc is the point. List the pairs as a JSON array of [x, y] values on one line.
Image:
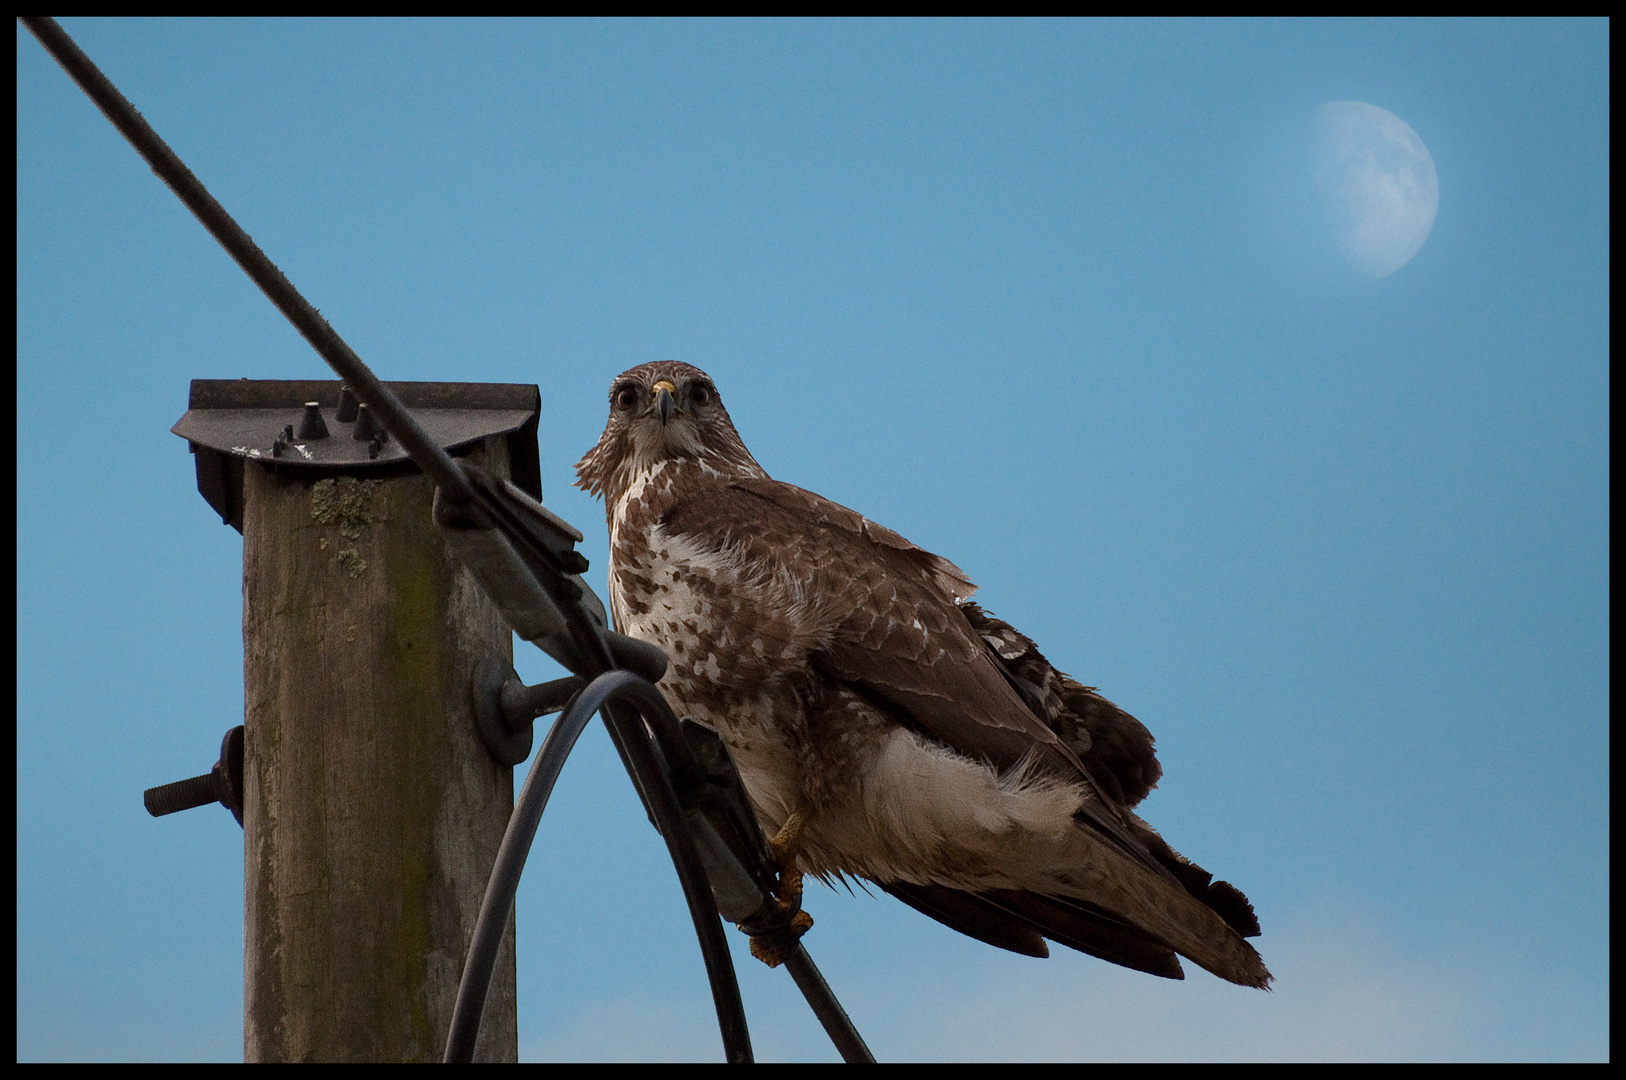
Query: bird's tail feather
[[1079, 926], [971, 915], [1109, 881]]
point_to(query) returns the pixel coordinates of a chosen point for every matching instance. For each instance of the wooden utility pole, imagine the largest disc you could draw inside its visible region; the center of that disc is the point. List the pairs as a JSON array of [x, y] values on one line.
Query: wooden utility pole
[[372, 811]]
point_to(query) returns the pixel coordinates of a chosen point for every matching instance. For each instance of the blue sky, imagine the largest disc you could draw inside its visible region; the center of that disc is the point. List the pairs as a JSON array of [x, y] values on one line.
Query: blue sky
[[1028, 293]]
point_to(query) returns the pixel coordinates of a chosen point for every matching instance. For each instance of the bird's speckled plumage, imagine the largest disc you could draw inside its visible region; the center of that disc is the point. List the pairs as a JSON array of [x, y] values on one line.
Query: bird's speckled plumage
[[919, 742]]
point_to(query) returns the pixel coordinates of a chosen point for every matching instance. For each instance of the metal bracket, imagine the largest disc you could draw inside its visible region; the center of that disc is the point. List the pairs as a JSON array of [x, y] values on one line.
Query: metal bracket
[[222, 784], [505, 709]]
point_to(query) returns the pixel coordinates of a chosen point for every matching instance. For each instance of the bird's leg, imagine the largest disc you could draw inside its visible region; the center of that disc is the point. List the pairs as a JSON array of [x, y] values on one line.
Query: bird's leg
[[775, 931], [785, 846]]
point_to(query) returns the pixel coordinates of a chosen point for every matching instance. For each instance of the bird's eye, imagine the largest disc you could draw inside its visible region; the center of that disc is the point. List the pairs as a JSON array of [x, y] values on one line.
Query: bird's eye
[[701, 394], [626, 397]]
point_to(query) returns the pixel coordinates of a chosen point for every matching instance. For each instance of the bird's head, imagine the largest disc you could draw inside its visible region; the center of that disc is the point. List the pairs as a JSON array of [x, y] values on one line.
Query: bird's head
[[662, 411]]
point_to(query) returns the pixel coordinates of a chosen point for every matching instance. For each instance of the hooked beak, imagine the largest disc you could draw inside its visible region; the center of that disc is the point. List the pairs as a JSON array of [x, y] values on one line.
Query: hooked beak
[[665, 406]]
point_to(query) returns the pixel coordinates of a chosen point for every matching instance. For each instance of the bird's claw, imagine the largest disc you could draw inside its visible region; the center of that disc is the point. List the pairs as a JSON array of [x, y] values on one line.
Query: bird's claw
[[774, 946]]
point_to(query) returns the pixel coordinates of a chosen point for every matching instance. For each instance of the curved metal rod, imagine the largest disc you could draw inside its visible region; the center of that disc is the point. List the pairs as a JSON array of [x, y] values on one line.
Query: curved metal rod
[[504, 882], [663, 805], [665, 732]]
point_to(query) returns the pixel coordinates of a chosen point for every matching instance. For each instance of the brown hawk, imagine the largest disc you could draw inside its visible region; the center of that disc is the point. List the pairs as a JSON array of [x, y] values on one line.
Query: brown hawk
[[883, 724]]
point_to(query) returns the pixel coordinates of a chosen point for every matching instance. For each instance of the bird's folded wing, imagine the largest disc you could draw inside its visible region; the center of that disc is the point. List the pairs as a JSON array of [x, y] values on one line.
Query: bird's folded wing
[[891, 628], [1114, 746], [804, 505]]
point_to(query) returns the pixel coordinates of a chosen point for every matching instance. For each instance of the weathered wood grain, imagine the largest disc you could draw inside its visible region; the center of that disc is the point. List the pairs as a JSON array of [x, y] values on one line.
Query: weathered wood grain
[[372, 811]]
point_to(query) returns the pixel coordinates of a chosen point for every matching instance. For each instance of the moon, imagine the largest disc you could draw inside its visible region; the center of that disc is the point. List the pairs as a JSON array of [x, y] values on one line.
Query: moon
[[1376, 185]]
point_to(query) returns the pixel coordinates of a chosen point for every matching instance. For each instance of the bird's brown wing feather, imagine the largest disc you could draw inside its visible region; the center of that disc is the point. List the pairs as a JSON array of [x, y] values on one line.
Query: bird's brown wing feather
[[1020, 921], [1114, 746], [891, 618], [970, 915], [901, 634], [896, 633], [1088, 929]]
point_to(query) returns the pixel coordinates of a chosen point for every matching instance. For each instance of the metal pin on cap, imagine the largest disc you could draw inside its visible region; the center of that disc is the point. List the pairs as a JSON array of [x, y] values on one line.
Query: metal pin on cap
[[347, 405], [366, 424], [311, 425]]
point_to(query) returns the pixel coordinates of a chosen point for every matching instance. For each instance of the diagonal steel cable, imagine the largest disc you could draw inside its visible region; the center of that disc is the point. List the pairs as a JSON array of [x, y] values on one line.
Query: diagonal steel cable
[[424, 451], [643, 759]]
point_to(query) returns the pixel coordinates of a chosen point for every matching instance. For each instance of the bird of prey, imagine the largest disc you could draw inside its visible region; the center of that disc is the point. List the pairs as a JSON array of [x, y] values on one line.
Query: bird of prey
[[885, 726]]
